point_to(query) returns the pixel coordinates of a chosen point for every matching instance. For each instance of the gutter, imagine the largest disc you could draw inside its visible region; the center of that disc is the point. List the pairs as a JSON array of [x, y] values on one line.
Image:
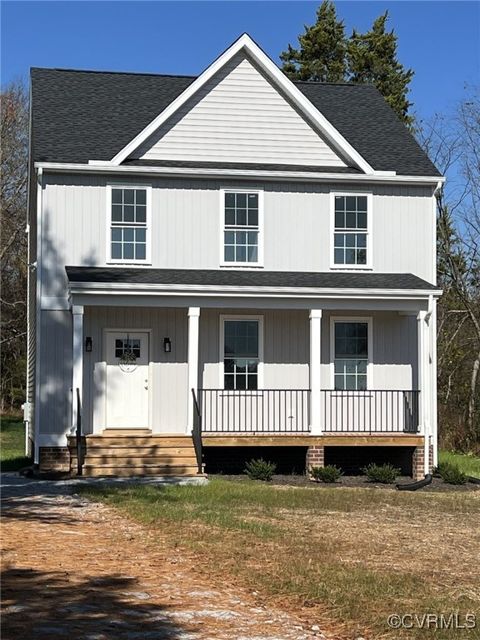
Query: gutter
[[246, 174], [125, 288]]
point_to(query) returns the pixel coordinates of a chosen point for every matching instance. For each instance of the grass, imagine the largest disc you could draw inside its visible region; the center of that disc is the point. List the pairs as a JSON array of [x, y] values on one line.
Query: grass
[[12, 444], [469, 464], [352, 556]]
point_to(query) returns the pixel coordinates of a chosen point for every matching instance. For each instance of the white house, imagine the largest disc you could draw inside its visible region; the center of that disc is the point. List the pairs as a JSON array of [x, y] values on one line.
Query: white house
[[235, 256]]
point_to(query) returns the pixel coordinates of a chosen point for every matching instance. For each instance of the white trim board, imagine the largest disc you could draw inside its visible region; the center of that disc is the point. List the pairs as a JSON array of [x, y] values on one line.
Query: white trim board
[[246, 44], [118, 288], [240, 174]]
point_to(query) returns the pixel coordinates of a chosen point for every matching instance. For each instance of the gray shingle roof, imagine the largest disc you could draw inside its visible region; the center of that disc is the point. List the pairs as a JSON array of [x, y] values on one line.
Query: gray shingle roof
[[88, 115], [227, 277]]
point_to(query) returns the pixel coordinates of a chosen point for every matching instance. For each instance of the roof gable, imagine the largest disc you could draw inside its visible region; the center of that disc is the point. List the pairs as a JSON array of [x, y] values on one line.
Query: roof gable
[[239, 114], [246, 45]]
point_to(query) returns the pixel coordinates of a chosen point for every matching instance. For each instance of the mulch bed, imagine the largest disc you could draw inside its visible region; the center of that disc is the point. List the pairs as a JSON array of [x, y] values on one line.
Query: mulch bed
[[437, 485]]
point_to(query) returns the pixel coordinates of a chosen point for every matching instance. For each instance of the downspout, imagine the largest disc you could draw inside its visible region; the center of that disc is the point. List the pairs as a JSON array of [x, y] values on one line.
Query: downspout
[[427, 388], [38, 276]]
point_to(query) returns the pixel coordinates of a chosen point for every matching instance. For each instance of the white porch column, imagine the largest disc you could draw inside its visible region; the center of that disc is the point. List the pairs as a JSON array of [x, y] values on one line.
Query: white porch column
[[423, 383], [193, 334], [77, 359], [315, 364]]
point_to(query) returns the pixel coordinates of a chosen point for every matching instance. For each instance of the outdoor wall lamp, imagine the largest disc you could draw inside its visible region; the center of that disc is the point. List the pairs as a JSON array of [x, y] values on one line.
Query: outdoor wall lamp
[[167, 345], [88, 344]]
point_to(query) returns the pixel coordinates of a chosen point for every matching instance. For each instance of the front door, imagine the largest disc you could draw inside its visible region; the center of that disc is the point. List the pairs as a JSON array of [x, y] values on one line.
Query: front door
[[127, 357]]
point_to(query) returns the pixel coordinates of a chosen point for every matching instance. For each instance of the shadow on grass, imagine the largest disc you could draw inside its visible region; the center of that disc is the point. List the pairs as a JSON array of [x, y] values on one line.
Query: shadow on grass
[[49, 605], [14, 464]]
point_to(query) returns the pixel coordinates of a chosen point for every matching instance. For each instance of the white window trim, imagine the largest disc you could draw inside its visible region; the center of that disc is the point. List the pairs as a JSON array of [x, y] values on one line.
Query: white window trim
[[351, 267], [221, 352], [148, 227], [242, 265], [369, 321]]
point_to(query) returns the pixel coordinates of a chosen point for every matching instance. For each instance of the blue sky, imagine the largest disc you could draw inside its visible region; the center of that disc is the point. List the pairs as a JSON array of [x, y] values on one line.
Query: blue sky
[[439, 40]]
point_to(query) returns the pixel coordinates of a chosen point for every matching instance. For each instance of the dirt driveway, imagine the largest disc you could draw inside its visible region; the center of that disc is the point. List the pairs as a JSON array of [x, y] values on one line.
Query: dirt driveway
[[77, 570]]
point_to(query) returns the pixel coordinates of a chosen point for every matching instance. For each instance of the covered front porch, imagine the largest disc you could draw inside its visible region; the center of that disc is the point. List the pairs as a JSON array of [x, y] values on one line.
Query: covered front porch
[[234, 368]]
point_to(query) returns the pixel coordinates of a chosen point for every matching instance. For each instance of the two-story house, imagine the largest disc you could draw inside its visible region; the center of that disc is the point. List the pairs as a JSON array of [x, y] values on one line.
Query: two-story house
[[233, 261]]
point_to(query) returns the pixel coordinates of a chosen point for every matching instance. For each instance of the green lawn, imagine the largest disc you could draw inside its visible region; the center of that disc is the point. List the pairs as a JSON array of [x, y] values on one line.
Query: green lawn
[[469, 464], [347, 557], [12, 444]]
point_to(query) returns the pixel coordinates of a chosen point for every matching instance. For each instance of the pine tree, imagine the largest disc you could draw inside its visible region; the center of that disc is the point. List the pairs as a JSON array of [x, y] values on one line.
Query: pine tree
[[321, 55], [372, 58]]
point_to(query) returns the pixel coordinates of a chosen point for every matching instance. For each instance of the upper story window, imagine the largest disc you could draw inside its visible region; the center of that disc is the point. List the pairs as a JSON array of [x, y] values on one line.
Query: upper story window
[[241, 353], [351, 349], [351, 231], [241, 228], [128, 224]]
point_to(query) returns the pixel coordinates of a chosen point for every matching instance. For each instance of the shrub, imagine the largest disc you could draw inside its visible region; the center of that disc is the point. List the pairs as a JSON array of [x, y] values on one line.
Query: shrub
[[329, 473], [260, 469], [451, 473], [383, 473]]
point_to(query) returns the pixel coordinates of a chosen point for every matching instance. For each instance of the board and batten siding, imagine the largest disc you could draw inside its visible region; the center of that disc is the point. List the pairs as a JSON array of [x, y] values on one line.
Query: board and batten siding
[[285, 362], [167, 371], [185, 228], [287, 348], [239, 116]]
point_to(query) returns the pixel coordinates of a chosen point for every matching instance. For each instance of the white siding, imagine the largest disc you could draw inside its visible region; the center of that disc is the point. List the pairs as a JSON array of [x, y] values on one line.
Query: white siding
[[239, 117], [186, 227], [55, 372]]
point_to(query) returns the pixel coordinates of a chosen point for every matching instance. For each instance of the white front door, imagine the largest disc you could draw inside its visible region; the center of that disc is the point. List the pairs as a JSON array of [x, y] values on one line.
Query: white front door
[[127, 357]]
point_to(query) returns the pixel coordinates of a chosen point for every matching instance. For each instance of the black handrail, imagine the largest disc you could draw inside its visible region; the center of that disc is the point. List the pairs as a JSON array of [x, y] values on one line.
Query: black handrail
[[197, 433], [79, 435]]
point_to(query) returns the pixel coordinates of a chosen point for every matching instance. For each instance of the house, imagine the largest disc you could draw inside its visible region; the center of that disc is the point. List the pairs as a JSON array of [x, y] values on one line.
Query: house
[[224, 263]]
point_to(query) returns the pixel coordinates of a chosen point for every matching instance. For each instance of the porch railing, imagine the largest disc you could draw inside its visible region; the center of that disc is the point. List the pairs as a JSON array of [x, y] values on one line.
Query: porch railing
[[370, 411], [287, 411], [262, 411]]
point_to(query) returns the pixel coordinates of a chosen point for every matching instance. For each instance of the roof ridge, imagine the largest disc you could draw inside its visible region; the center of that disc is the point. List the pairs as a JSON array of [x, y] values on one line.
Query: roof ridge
[[126, 73], [334, 84]]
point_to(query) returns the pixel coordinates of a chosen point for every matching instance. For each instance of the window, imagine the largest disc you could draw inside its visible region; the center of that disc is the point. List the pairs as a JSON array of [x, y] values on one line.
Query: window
[[241, 227], [128, 224], [351, 355], [127, 346], [240, 354], [350, 243]]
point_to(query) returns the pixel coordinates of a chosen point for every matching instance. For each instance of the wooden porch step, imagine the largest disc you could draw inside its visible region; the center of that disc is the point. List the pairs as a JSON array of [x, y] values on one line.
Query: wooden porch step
[[126, 450], [110, 460], [140, 470], [126, 432], [135, 441]]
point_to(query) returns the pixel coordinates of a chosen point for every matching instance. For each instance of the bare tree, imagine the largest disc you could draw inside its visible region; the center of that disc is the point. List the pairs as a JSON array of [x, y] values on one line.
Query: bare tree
[[13, 245], [453, 143]]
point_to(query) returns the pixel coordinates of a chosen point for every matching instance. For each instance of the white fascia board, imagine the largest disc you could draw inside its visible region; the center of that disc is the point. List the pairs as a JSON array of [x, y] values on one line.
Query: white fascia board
[[271, 69], [95, 288], [248, 174]]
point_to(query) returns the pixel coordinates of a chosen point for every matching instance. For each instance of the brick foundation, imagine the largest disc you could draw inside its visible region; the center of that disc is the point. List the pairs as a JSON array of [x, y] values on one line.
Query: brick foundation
[[55, 459], [315, 457], [418, 462]]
